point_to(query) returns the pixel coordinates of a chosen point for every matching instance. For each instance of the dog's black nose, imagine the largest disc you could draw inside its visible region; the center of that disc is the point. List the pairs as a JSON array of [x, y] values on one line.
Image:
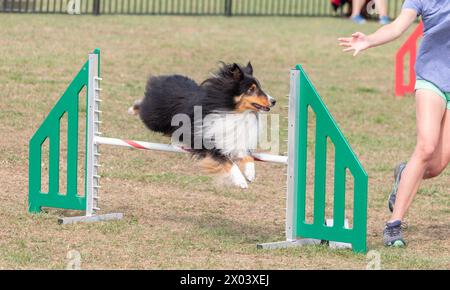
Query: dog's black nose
[[273, 102]]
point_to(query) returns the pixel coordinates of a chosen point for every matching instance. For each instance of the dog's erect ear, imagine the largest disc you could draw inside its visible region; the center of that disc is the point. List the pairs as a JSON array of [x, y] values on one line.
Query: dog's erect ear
[[236, 72], [249, 68]]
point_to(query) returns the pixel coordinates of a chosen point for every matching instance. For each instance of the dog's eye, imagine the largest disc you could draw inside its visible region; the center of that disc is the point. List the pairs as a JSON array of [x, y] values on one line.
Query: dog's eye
[[251, 90]]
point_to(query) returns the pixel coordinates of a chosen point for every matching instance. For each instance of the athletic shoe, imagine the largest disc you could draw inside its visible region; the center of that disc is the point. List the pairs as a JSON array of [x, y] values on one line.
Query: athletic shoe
[[384, 20], [393, 236], [358, 19], [397, 176]]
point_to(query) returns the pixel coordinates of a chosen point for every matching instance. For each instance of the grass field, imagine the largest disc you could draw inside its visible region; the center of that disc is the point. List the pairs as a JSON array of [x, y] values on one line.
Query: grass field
[[175, 218]]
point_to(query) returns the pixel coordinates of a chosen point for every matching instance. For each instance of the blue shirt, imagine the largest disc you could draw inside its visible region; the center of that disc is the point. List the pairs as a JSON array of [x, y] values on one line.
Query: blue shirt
[[433, 60]]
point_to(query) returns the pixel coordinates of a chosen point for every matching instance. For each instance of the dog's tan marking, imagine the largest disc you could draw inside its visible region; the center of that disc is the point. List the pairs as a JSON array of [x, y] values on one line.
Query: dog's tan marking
[[228, 170], [247, 167], [245, 160], [238, 99], [211, 166], [246, 101]]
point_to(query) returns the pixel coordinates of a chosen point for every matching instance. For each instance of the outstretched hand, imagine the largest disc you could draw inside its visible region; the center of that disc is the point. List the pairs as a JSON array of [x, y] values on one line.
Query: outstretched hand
[[357, 43]]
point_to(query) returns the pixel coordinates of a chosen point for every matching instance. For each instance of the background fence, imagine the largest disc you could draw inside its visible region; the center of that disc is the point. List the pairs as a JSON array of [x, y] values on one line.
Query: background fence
[[186, 7]]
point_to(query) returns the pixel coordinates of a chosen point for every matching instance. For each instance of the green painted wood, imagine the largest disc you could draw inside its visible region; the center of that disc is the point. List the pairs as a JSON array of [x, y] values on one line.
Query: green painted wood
[[50, 130], [345, 158]]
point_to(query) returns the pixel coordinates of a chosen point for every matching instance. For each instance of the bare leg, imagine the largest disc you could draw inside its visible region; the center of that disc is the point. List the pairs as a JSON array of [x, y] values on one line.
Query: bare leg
[[357, 6], [381, 6], [430, 111], [441, 157]]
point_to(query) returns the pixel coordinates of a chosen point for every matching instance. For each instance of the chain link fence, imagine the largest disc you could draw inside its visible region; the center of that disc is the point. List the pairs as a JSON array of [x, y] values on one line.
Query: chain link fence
[[186, 7]]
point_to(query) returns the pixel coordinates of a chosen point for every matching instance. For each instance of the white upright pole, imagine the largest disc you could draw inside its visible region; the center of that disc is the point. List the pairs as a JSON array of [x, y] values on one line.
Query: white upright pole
[[92, 129], [92, 175], [290, 197], [291, 211]]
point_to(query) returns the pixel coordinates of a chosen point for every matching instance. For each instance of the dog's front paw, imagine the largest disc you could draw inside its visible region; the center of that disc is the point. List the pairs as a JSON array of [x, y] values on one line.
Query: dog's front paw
[[237, 178], [249, 171]]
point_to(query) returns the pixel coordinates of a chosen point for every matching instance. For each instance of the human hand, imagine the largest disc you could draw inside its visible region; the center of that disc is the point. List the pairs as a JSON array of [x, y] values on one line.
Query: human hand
[[358, 42]]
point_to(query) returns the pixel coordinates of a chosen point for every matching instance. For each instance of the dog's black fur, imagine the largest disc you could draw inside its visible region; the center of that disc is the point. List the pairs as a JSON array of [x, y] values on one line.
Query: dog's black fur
[[166, 96]]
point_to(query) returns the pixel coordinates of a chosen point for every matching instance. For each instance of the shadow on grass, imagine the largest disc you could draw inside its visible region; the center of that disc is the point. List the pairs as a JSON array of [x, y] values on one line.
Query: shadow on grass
[[228, 230], [436, 232]]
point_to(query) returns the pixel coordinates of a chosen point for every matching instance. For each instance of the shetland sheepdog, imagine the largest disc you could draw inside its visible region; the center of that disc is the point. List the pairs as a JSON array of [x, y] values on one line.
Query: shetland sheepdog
[[220, 117]]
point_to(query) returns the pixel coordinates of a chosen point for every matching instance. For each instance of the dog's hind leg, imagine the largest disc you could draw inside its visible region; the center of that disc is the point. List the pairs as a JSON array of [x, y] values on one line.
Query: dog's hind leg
[[228, 170], [236, 176], [134, 110], [247, 165]]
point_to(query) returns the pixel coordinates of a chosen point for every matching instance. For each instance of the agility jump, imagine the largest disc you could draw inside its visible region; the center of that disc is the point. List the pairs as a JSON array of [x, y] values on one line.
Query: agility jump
[[409, 47], [297, 229]]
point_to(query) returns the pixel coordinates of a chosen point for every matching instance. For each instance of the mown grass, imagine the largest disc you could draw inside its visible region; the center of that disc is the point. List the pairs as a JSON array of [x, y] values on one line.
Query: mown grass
[[174, 217]]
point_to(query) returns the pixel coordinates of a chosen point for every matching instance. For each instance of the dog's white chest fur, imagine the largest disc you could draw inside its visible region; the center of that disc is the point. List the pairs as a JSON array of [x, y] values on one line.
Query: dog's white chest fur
[[234, 134]]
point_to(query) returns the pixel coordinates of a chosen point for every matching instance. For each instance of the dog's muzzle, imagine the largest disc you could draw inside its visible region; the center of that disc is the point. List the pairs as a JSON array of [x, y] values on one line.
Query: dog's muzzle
[[272, 101]]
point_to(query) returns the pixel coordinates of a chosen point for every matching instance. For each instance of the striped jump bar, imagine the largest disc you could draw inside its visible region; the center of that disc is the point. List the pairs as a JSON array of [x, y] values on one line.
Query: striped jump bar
[[170, 148]]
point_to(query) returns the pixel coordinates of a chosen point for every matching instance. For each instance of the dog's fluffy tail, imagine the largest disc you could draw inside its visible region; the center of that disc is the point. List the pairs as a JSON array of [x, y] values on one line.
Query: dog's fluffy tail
[[134, 110]]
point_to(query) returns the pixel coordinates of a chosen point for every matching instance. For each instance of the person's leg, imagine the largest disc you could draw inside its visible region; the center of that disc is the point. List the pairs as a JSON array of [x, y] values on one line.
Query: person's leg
[[357, 6], [430, 111], [441, 157], [381, 6]]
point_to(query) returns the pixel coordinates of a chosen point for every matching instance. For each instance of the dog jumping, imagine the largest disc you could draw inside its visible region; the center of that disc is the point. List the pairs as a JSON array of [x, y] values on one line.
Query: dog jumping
[[228, 104]]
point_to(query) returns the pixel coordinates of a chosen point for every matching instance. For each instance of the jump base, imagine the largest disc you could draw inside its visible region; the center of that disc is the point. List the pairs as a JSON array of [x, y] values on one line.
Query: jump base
[[288, 244], [307, 242], [90, 219]]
